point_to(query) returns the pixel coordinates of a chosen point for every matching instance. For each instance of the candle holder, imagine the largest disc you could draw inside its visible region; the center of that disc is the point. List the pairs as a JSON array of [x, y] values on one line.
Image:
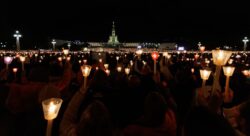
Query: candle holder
[[85, 72], [7, 61], [15, 71], [107, 72], [51, 108], [155, 56], [204, 76], [85, 61], [228, 71], [119, 69], [22, 59], [220, 58], [127, 71], [65, 52], [246, 73], [106, 66], [117, 59]]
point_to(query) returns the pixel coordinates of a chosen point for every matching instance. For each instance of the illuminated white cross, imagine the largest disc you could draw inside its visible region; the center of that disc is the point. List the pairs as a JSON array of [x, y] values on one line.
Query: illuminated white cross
[[17, 35], [245, 41]]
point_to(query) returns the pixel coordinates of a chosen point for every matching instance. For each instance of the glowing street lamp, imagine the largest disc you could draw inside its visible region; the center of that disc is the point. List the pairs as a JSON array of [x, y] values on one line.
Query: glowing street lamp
[[204, 76], [51, 108], [85, 72], [54, 44], [7, 61], [228, 71], [22, 59], [17, 35], [155, 56], [245, 41], [220, 58], [69, 45]]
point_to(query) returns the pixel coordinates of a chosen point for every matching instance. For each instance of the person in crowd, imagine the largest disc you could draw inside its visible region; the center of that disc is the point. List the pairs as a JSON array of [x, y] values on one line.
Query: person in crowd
[[158, 119], [94, 120], [202, 122]]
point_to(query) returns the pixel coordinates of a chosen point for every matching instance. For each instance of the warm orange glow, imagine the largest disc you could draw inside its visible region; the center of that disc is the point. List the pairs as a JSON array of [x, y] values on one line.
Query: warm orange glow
[[14, 70], [155, 55]]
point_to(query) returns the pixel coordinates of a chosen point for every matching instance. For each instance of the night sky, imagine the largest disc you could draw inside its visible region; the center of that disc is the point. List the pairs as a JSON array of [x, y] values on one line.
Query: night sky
[[184, 21]]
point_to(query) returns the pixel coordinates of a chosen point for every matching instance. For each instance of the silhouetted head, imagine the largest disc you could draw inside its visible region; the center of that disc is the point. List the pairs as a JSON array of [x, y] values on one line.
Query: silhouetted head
[[95, 121], [155, 108], [202, 122], [245, 118]]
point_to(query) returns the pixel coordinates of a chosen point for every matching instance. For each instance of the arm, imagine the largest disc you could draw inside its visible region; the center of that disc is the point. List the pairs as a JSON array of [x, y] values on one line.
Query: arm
[[68, 123]]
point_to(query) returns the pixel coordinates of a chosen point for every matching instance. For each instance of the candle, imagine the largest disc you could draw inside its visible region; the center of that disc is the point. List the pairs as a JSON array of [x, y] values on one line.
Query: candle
[[7, 61], [106, 66], [119, 69], [51, 108], [85, 61], [127, 71], [107, 72], [66, 51], [100, 60], [22, 59]]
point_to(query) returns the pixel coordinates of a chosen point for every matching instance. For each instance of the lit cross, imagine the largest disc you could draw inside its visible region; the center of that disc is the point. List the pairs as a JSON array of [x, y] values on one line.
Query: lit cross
[[17, 35], [199, 44], [53, 43], [245, 41]]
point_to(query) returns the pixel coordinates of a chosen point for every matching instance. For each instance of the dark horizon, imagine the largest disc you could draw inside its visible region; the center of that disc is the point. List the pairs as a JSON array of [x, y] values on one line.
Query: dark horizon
[[212, 23]]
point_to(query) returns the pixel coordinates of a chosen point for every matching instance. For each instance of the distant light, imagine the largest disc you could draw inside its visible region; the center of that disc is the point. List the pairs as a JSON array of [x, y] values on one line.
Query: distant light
[[139, 47], [181, 48]]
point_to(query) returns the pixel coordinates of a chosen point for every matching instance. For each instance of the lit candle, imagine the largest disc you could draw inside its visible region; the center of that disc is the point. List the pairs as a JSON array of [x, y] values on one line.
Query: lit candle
[[106, 66], [192, 70], [14, 71], [119, 69], [246, 73], [85, 61], [85, 72], [22, 59], [228, 71], [51, 108], [155, 56], [127, 71], [107, 72], [68, 58], [7, 61], [100, 60], [65, 52]]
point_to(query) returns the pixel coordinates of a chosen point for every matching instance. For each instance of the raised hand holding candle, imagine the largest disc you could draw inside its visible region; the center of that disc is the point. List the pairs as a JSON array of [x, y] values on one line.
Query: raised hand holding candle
[[155, 56], [51, 108], [228, 71], [7, 61], [85, 72]]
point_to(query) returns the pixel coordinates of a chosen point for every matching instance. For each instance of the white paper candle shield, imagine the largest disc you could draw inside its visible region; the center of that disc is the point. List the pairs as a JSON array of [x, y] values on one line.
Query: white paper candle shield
[[51, 108]]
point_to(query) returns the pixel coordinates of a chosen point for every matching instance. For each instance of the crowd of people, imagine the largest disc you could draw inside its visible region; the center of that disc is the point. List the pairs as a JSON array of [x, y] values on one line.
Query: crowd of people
[[141, 103]]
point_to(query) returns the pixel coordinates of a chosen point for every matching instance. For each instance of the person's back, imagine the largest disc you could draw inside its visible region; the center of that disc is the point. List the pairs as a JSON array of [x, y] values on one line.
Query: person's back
[[158, 120], [202, 122]]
